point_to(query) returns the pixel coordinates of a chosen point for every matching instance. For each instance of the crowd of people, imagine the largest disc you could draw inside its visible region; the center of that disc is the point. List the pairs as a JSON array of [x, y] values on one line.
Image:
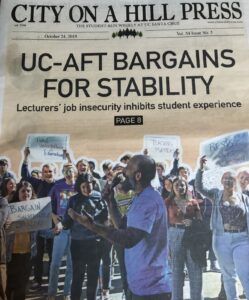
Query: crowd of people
[[160, 223]]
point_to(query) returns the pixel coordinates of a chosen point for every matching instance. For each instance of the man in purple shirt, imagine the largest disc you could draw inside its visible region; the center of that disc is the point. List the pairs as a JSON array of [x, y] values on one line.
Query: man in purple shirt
[[145, 236]]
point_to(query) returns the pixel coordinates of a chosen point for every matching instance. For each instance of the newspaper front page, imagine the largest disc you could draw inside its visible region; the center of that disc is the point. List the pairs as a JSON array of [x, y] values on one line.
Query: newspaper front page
[[105, 78]]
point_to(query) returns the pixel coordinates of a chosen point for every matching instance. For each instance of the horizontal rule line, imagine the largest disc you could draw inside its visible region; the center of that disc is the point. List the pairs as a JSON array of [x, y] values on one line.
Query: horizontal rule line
[[17, 39], [191, 36], [75, 32], [228, 28]]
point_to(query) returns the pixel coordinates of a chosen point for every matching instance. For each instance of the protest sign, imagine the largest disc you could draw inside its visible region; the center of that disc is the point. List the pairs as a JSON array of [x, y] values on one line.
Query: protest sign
[[48, 147], [212, 178], [227, 150], [161, 148], [30, 215]]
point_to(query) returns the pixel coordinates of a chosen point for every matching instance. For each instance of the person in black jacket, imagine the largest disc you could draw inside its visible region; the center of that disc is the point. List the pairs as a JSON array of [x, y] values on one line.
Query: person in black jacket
[[85, 245], [42, 188]]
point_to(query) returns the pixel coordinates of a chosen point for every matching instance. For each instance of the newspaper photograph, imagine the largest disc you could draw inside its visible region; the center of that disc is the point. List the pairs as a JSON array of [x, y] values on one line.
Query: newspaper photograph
[[125, 141]]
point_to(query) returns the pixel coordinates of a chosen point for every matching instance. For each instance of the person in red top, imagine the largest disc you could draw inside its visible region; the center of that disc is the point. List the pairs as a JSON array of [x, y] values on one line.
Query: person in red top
[[182, 213]]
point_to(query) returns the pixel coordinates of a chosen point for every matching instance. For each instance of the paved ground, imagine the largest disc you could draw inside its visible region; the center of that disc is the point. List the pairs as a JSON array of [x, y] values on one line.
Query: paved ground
[[211, 287]]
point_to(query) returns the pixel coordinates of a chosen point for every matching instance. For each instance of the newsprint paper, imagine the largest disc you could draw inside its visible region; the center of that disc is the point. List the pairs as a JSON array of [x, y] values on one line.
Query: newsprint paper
[[101, 78]]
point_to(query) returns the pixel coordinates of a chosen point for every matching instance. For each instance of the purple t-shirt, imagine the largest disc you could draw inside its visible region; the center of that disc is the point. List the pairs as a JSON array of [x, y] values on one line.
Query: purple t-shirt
[[60, 194], [146, 262]]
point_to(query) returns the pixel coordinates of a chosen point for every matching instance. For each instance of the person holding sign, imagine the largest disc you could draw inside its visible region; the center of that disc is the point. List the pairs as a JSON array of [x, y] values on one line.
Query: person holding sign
[[42, 188], [21, 247], [230, 225]]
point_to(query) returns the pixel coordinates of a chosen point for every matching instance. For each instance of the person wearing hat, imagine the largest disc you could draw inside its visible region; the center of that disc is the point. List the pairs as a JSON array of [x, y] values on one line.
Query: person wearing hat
[[85, 245], [4, 173]]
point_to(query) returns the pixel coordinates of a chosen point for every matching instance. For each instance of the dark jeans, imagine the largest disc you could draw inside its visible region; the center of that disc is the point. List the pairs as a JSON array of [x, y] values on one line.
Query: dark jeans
[[43, 245], [120, 255], [85, 257], [163, 296], [18, 271], [106, 258]]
